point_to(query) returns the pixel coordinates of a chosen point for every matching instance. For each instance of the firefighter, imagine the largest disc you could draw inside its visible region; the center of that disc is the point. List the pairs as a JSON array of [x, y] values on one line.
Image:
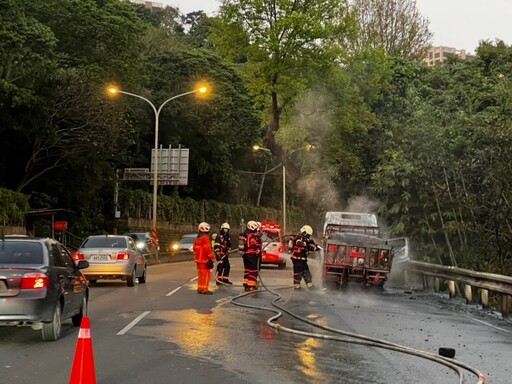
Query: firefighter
[[204, 258], [222, 247], [302, 245], [250, 247]]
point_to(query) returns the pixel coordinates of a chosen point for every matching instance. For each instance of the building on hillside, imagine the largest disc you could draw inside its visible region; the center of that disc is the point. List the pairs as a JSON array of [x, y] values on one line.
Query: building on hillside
[[436, 55], [148, 4]]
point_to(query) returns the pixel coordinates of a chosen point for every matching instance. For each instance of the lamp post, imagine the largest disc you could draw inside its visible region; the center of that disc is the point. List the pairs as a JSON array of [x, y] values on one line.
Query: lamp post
[[114, 91], [256, 148]]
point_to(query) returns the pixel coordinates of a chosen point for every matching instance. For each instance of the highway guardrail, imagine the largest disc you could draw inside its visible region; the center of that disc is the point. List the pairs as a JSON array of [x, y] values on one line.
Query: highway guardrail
[[483, 281]]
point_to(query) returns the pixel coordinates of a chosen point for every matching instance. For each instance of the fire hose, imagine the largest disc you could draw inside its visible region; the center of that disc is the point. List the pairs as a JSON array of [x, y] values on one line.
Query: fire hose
[[350, 337]]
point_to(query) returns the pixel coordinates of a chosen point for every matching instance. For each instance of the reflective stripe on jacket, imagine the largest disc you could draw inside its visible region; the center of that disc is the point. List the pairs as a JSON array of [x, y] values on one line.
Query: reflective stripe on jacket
[[253, 244], [203, 249]]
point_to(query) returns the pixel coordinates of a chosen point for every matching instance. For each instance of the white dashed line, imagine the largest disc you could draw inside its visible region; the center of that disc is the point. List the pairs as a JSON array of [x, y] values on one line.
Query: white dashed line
[[173, 291], [133, 323]]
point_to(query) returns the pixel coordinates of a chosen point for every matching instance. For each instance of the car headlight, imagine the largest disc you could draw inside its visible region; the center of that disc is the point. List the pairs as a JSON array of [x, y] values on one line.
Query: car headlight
[[175, 247], [140, 245]]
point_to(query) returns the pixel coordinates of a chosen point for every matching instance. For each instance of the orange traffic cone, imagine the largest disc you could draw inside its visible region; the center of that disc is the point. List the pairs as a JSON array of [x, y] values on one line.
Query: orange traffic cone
[[83, 366]]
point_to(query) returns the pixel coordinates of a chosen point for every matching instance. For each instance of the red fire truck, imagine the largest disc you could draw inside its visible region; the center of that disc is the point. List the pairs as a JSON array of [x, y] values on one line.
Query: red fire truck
[[272, 245]]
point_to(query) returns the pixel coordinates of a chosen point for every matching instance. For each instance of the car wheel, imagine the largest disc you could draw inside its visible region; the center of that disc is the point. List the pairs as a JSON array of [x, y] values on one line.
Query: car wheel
[[92, 281], [282, 265], [144, 277], [130, 280], [51, 331], [77, 319]]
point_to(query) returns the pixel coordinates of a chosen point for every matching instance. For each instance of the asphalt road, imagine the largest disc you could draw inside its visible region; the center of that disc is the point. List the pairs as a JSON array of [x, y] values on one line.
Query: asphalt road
[[163, 332]]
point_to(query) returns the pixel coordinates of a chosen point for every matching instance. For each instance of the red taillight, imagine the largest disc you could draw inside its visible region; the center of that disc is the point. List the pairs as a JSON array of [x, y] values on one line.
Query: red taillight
[[34, 281], [123, 256], [78, 256], [280, 249]]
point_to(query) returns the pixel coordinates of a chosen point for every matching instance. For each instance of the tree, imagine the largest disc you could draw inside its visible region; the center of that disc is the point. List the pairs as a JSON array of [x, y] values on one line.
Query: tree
[[280, 44], [393, 25], [218, 130], [76, 116], [444, 177], [27, 77]]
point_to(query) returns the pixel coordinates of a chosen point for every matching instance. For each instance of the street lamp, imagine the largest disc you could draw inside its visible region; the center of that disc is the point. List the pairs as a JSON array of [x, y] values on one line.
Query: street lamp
[[256, 148], [113, 91]]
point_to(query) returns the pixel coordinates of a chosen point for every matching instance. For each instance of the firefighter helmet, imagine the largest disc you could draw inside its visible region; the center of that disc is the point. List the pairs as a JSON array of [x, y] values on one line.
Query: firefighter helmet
[[259, 224], [307, 229], [204, 227], [252, 225], [225, 226]]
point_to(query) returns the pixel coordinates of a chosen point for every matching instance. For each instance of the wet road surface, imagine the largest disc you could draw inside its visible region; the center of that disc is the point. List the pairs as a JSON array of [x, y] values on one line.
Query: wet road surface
[[188, 338]]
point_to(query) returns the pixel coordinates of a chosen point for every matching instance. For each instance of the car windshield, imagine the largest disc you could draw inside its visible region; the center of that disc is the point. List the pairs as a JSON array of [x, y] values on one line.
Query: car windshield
[[270, 236], [21, 253], [188, 239], [138, 236], [105, 242]]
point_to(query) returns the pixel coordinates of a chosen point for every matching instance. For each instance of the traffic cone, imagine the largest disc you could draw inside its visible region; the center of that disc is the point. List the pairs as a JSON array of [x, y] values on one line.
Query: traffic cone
[[83, 365]]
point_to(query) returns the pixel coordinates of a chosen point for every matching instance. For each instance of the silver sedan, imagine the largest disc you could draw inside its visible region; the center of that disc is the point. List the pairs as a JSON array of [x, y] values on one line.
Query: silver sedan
[[112, 257]]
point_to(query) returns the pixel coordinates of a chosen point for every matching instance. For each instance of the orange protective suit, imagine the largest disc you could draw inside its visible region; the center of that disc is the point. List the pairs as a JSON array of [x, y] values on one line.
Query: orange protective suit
[[203, 252]]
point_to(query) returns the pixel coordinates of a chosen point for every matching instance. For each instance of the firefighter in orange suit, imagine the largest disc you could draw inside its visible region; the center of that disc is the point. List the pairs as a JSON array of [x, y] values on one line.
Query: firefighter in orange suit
[[204, 258], [250, 246]]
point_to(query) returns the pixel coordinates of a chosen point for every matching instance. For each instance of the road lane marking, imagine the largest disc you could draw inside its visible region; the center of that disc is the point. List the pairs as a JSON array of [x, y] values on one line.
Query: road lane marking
[[490, 325], [133, 323], [224, 300], [174, 291], [177, 289]]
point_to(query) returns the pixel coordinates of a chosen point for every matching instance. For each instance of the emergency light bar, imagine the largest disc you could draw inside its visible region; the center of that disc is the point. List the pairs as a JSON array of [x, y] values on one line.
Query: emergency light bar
[[270, 226]]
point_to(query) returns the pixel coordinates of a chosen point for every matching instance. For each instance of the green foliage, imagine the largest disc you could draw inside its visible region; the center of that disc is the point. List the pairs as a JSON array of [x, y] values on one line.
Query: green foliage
[[444, 173], [13, 207], [396, 26], [138, 204], [430, 144], [281, 42], [218, 129]]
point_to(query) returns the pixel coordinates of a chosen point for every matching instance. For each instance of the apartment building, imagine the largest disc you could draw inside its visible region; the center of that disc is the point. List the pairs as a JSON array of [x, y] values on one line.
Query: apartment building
[[440, 55], [148, 4]]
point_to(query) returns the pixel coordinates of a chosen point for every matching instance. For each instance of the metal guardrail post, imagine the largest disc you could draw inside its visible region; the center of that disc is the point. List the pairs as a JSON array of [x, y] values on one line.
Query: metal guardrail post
[[468, 292], [484, 298], [451, 288], [504, 305]]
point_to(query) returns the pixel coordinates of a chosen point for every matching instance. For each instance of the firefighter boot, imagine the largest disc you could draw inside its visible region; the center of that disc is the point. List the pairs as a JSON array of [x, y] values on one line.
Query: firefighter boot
[[310, 285], [296, 286]]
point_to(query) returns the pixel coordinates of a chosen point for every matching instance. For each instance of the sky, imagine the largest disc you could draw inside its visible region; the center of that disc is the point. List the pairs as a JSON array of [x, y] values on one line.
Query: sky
[[459, 24]]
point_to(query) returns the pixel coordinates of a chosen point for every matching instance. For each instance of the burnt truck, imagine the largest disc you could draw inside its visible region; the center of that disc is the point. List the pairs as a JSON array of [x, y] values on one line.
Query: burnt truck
[[355, 250]]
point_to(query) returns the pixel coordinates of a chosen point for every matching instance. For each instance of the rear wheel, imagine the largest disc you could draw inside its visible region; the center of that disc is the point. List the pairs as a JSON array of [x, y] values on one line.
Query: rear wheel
[[92, 281], [144, 277], [282, 265], [51, 331], [130, 280]]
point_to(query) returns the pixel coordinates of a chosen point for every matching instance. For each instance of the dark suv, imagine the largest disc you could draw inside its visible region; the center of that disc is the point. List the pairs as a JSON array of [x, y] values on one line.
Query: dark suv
[[40, 285]]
